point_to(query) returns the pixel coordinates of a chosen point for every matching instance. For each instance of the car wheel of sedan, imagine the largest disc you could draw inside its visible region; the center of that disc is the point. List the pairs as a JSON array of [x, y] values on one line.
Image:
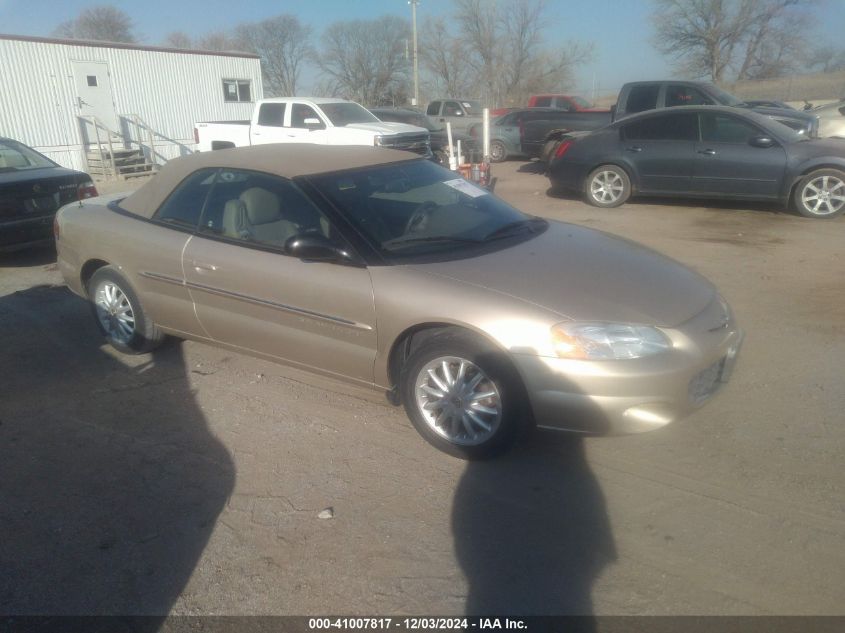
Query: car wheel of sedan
[[607, 186], [821, 194], [462, 396], [119, 314], [498, 152]]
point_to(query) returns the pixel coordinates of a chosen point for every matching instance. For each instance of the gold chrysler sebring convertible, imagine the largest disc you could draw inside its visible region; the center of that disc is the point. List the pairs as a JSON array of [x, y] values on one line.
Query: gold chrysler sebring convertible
[[380, 268]]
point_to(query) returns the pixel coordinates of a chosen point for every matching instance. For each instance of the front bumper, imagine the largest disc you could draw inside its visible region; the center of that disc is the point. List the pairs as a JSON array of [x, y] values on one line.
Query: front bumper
[[632, 396]]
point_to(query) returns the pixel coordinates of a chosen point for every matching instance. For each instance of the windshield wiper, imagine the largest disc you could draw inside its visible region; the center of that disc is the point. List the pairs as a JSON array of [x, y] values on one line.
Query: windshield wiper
[[403, 241], [533, 225]]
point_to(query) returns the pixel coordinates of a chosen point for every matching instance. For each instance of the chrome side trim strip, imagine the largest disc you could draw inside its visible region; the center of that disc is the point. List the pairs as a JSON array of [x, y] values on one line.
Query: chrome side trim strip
[[280, 306], [160, 277]]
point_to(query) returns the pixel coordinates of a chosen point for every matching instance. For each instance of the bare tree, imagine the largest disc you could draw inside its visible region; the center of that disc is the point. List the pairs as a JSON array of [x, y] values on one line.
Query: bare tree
[[178, 39], [712, 38], [217, 41], [504, 48], [442, 55], [283, 43], [103, 23], [365, 59], [827, 58]]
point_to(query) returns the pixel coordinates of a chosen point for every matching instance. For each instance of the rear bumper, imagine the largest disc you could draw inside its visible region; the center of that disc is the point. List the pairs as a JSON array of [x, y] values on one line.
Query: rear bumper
[[20, 234]]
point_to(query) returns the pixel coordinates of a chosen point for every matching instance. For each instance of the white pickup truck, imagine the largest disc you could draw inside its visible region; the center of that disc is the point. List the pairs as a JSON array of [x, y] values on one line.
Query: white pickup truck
[[323, 121]]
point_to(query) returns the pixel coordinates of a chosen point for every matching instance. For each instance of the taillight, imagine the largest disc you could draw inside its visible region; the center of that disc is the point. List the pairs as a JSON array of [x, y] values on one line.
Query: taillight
[[87, 190], [561, 149], [196, 136]]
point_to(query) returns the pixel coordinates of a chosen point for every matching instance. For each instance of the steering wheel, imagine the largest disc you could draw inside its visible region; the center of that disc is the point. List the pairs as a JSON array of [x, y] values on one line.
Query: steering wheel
[[419, 218]]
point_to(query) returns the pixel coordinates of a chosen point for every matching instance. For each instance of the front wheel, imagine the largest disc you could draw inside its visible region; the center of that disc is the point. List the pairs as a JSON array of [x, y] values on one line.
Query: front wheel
[[462, 396], [607, 186], [821, 194], [119, 314]]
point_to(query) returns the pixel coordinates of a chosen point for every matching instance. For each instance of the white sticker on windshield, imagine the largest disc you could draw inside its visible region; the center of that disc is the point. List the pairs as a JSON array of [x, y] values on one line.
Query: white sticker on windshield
[[467, 105], [464, 186]]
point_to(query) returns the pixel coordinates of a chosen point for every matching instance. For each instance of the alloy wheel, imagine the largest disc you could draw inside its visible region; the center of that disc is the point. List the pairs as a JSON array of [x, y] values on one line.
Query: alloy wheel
[[458, 400], [824, 195], [114, 311], [606, 187]]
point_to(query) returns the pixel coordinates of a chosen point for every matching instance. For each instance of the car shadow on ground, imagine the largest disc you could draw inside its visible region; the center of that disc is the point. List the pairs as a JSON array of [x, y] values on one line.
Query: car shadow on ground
[[40, 256], [531, 530], [112, 480], [532, 167]]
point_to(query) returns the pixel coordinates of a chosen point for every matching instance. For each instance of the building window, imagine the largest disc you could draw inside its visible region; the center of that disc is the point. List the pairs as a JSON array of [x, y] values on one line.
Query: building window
[[236, 90], [92, 80]]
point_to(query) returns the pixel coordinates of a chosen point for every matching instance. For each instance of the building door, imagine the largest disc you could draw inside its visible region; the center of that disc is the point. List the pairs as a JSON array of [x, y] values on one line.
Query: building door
[[93, 92]]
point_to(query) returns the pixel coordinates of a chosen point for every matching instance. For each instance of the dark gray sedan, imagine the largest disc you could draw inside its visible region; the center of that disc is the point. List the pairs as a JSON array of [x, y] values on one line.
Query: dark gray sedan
[[704, 152]]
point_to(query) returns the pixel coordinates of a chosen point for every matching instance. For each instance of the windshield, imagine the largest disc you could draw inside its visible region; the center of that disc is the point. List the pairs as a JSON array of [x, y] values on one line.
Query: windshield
[[473, 108], [344, 113], [415, 208], [724, 98], [16, 156]]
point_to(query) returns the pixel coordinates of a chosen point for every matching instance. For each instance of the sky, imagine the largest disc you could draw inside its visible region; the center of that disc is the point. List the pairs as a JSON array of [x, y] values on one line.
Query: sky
[[619, 29]]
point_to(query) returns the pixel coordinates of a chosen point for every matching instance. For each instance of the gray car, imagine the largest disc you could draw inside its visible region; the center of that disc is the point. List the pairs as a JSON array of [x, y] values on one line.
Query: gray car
[[385, 270], [704, 152]]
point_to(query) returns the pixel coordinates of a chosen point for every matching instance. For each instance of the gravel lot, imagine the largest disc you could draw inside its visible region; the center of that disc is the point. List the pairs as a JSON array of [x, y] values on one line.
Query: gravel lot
[[190, 481]]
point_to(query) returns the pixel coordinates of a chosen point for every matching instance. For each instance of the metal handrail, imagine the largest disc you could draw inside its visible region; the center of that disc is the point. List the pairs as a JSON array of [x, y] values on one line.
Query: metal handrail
[[97, 125], [139, 123]]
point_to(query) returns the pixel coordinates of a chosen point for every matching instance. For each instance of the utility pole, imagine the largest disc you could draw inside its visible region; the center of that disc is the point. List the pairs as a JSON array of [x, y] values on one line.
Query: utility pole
[[414, 4]]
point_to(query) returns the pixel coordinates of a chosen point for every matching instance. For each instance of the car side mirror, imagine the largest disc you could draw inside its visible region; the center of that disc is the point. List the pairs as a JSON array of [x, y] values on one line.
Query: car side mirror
[[313, 123], [315, 247], [763, 142]]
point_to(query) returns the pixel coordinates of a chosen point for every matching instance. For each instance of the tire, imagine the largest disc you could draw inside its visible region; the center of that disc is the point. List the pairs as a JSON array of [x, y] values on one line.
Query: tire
[[607, 186], [119, 314], [462, 423], [821, 194], [498, 152]]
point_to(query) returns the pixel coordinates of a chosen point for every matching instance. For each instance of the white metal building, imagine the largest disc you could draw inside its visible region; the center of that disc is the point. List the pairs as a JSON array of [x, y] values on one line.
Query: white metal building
[[61, 96]]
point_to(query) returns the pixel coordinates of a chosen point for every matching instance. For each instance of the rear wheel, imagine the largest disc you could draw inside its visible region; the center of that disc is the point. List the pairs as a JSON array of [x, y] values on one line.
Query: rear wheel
[[607, 186], [119, 314], [821, 194], [462, 396]]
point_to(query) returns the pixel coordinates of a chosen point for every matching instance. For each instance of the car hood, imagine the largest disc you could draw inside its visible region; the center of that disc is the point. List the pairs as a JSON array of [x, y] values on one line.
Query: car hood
[[388, 128], [586, 275]]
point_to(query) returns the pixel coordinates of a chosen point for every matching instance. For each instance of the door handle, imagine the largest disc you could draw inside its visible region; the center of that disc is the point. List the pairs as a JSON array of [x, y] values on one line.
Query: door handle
[[202, 267], [635, 148], [708, 152]]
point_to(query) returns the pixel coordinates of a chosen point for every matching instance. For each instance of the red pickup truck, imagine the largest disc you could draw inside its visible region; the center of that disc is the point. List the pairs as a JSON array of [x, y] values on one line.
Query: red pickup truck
[[563, 102]]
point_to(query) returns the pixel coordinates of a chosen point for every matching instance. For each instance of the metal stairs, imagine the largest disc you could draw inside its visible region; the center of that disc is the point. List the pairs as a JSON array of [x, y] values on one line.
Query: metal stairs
[[111, 156]]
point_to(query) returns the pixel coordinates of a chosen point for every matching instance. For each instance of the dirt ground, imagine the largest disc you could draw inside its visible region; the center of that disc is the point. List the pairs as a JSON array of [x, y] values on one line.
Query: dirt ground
[[192, 480]]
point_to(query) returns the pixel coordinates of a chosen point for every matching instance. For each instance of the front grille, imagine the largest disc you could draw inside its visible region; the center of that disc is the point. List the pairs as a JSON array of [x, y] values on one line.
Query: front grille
[[417, 143]]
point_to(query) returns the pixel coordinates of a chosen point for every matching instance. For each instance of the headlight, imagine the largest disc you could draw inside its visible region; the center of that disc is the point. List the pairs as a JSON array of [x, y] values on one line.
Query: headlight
[[378, 141], [607, 341]]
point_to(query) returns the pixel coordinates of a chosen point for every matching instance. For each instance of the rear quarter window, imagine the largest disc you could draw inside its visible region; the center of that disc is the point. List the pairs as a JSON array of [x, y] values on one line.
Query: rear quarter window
[[184, 205], [642, 98]]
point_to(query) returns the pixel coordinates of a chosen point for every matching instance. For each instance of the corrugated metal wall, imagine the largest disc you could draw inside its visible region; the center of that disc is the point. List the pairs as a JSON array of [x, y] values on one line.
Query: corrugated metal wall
[[169, 90]]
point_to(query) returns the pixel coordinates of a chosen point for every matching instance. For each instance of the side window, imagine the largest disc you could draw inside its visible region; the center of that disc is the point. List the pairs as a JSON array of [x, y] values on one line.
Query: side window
[[433, 108], [642, 98], [685, 95], [675, 127], [272, 114], [564, 104], [183, 206], [542, 102], [721, 128], [299, 112], [260, 209], [452, 108]]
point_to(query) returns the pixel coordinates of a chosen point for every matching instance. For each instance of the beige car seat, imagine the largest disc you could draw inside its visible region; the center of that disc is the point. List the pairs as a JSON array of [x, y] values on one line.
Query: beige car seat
[[256, 215]]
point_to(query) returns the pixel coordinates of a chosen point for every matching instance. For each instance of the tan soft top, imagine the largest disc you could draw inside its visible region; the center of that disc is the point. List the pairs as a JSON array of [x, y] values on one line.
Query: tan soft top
[[282, 159]]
